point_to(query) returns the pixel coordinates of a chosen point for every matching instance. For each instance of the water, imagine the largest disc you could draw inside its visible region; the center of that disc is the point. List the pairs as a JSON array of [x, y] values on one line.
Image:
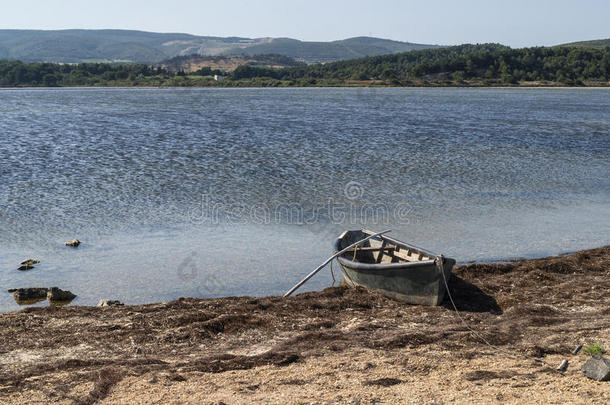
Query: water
[[211, 192]]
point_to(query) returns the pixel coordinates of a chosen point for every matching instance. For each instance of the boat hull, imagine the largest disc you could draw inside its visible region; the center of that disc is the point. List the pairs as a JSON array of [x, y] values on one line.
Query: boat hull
[[414, 282]]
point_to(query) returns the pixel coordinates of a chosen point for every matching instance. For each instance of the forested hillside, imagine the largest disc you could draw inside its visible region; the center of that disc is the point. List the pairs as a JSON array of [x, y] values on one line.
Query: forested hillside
[[596, 43], [477, 65], [193, 63], [492, 62], [126, 46]]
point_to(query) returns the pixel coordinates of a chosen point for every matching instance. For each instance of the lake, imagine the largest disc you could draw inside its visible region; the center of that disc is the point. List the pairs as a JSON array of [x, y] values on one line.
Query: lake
[[213, 192]]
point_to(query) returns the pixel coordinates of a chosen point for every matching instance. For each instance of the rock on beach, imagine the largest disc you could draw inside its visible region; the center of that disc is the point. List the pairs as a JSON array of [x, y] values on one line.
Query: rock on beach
[[597, 368], [109, 303], [57, 294]]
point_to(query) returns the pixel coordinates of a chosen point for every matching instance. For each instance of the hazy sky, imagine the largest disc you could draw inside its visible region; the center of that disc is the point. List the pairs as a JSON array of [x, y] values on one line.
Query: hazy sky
[[515, 23]]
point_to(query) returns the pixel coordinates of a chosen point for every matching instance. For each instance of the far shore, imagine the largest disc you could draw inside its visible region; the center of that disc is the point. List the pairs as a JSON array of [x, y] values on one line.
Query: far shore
[[126, 87], [339, 345]]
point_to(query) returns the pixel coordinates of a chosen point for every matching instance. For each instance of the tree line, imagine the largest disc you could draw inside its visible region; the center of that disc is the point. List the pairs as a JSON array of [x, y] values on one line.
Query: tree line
[[17, 73], [486, 63], [483, 62]]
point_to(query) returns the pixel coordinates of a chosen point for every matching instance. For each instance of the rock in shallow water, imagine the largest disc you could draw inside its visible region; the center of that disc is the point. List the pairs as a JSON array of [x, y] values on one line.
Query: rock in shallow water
[[597, 368], [73, 243], [29, 294], [29, 262], [57, 294]]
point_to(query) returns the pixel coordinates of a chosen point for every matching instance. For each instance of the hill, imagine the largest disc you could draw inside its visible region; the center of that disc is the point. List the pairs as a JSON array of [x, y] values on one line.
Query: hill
[[597, 43], [75, 46], [321, 52], [193, 63]]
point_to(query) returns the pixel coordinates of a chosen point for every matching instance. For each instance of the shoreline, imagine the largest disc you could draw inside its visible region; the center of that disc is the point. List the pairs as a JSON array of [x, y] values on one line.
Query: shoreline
[[337, 345], [238, 85], [484, 261]]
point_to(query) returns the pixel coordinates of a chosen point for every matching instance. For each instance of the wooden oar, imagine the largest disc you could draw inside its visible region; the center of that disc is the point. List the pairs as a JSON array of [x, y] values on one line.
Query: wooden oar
[[320, 267]]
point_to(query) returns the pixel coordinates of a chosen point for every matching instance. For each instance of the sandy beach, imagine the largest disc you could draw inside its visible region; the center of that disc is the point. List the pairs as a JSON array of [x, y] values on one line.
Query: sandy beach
[[340, 345]]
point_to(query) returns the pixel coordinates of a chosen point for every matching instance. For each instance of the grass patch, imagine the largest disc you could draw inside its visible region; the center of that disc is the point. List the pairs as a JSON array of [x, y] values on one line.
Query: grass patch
[[594, 349]]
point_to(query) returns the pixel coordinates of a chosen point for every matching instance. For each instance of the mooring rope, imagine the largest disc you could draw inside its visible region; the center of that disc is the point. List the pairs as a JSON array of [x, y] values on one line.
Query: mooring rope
[[440, 259]]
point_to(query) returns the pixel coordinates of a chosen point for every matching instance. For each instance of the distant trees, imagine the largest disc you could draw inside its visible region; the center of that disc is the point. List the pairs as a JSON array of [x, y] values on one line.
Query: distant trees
[[249, 72], [487, 63], [16, 73], [208, 71], [484, 62], [49, 80]]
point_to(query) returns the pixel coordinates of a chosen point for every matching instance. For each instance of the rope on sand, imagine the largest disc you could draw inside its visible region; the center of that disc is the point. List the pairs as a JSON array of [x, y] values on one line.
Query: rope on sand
[[513, 353]]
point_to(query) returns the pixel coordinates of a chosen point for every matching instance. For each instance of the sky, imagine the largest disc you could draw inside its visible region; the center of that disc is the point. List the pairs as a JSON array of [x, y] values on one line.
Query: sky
[[517, 23]]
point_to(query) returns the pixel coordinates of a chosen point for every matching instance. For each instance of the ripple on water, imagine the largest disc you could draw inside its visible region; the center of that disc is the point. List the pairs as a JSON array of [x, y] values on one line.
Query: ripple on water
[[479, 173]]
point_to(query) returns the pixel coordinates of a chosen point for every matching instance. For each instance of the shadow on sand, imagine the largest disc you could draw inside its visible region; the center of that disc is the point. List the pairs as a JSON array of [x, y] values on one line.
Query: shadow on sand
[[470, 298]]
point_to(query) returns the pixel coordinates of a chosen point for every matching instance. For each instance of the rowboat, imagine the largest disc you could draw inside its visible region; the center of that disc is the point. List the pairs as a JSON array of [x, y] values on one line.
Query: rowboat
[[395, 269]]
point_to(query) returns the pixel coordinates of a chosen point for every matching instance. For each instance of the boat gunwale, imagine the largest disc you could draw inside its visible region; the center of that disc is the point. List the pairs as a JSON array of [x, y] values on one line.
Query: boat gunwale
[[412, 247], [383, 266], [394, 241], [356, 265]]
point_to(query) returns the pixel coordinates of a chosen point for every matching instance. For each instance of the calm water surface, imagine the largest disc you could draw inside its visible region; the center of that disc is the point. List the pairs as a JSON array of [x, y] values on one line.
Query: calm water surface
[[211, 192]]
